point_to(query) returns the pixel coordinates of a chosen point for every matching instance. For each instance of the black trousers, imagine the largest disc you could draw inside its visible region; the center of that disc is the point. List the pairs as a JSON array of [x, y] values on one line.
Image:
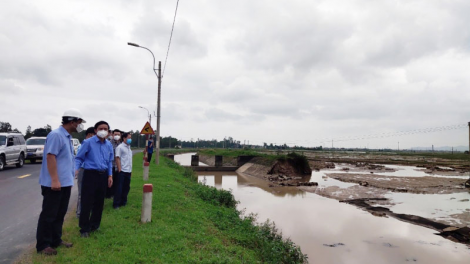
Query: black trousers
[[94, 184], [110, 191], [51, 219], [123, 185], [149, 156]]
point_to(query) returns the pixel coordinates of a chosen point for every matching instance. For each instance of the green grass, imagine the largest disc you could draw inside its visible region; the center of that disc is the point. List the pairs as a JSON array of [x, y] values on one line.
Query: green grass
[[191, 223], [230, 152]]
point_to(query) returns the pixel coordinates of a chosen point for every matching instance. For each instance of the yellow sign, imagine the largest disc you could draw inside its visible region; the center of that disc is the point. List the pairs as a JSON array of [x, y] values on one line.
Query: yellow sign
[[147, 130]]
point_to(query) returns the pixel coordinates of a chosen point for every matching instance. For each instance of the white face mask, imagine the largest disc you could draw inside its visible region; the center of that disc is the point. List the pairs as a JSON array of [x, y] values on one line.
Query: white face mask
[[116, 138], [102, 133], [80, 128]]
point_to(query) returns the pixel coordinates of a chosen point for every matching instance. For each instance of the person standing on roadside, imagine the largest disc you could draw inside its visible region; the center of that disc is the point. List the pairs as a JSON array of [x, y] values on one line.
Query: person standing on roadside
[[79, 176], [56, 180], [149, 149], [124, 170], [115, 141], [96, 156]]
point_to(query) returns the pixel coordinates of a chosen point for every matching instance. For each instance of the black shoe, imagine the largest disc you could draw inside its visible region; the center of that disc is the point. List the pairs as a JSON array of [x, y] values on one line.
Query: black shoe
[[48, 251], [116, 207], [95, 229], [86, 234]]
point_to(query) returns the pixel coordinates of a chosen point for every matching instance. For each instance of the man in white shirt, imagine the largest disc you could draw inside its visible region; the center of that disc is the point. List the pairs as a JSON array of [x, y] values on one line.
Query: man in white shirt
[[124, 170]]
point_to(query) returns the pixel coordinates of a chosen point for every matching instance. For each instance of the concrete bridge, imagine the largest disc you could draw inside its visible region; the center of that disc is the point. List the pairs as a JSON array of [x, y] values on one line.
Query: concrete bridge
[[241, 160]]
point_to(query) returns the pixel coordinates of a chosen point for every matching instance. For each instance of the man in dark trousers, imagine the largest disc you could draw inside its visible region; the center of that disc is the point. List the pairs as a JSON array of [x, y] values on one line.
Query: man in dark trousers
[[149, 149], [124, 169], [96, 155], [56, 180], [90, 132], [115, 141]]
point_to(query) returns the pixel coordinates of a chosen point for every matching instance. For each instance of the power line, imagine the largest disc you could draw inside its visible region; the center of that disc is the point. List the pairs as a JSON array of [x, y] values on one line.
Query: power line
[[171, 35]]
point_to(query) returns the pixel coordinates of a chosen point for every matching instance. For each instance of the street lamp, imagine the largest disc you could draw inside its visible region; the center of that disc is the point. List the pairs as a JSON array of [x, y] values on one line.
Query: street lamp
[[150, 116], [159, 76]]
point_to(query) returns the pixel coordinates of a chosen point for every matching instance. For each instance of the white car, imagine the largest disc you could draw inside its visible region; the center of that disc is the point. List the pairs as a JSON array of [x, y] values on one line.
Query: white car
[[35, 148], [76, 144]]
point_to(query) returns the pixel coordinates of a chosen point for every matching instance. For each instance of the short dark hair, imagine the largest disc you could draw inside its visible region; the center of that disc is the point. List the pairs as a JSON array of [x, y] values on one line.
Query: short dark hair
[[90, 130], [117, 130], [101, 123], [68, 119], [124, 135]]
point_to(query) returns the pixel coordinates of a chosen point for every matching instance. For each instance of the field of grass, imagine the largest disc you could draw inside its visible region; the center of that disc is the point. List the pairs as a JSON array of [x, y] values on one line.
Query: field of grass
[[191, 223]]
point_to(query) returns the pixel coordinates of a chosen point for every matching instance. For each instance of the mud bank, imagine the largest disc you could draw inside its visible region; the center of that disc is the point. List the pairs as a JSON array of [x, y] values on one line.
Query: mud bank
[[288, 172], [422, 185], [433, 164]]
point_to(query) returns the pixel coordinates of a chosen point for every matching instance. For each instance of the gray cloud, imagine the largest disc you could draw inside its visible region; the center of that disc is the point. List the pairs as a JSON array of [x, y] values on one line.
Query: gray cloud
[[305, 70]]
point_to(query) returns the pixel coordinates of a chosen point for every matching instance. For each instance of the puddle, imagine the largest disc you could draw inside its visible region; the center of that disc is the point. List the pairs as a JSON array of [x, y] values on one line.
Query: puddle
[[324, 181], [404, 171], [432, 206]]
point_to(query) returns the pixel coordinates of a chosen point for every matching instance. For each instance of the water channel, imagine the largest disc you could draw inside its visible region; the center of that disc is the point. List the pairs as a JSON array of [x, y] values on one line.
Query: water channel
[[315, 223]]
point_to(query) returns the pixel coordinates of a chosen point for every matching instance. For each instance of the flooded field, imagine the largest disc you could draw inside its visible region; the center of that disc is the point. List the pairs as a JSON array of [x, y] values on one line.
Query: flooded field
[[333, 232]]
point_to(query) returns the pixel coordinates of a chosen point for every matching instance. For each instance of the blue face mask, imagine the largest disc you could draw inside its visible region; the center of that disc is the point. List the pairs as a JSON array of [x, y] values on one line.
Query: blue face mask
[[129, 141]]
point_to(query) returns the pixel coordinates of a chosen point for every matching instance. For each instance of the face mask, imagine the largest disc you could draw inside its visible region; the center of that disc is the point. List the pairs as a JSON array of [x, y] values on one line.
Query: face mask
[[102, 133], [110, 137], [129, 141], [116, 138], [80, 128]]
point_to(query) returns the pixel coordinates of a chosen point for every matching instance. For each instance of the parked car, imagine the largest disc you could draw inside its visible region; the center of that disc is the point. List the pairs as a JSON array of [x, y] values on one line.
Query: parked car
[[35, 148], [12, 149], [76, 144]]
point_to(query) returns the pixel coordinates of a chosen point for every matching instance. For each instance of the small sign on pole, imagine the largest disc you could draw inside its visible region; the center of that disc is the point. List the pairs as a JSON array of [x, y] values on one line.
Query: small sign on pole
[[147, 130]]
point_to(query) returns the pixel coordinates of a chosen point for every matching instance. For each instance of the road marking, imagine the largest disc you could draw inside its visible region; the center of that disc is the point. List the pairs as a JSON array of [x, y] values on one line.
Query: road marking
[[24, 176]]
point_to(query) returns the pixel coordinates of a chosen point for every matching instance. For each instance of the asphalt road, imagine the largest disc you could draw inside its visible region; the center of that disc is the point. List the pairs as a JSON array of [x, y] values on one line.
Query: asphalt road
[[20, 206]]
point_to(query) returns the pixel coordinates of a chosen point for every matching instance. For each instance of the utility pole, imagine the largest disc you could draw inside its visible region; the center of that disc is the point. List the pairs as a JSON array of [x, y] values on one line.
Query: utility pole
[[468, 137], [159, 75]]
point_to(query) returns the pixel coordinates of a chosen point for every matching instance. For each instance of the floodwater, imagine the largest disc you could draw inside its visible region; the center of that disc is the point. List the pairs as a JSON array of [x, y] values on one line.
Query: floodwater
[[432, 206], [313, 222]]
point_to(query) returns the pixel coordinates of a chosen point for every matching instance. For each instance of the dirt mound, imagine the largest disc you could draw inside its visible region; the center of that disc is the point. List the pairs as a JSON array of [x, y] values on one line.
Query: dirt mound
[[293, 165]]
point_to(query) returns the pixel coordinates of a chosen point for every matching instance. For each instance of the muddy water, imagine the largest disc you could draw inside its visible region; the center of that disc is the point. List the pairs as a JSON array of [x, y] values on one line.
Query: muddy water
[[452, 209], [185, 159], [313, 222]]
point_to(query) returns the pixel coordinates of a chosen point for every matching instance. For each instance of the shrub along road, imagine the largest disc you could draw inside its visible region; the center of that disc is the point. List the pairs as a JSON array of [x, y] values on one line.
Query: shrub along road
[[190, 223]]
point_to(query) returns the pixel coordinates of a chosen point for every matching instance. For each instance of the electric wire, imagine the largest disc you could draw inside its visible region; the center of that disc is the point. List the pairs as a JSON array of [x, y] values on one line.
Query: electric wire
[[171, 35]]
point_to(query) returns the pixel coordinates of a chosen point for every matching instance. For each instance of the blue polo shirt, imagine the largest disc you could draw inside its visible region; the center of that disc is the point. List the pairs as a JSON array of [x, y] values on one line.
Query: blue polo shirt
[[59, 144], [95, 155]]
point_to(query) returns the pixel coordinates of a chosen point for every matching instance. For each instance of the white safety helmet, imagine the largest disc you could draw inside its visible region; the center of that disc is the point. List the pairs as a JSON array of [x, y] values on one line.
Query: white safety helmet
[[73, 113]]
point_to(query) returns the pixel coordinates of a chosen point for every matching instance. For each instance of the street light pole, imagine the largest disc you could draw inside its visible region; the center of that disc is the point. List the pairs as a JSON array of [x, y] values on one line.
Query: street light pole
[[159, 76], [150, 116]]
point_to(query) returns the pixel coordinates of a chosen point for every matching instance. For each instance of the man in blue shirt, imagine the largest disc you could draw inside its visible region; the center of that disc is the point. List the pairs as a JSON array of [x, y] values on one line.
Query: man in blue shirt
[[79, 176], [56, 180], [149, 149], [96, 157]]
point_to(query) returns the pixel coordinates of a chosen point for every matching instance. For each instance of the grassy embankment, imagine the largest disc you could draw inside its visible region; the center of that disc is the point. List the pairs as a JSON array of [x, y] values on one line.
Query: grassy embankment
[[190, 223]]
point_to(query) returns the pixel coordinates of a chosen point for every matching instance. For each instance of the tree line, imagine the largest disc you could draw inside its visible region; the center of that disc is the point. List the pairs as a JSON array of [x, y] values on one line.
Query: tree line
[[165, 142]]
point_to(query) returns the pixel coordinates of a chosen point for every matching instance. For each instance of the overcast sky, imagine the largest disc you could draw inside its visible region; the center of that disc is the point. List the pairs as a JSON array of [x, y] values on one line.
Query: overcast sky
[[295, 72]]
